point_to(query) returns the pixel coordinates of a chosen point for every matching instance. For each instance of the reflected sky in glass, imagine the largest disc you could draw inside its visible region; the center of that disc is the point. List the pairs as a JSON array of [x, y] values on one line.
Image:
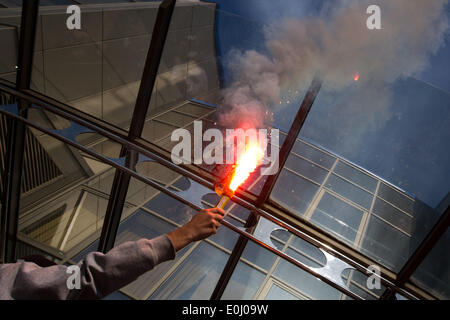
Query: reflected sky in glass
[[403, 139], [397, 130]]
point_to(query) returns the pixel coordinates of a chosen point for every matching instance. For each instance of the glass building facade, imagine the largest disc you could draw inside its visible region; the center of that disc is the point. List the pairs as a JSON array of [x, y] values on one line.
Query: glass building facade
[[326, 221]]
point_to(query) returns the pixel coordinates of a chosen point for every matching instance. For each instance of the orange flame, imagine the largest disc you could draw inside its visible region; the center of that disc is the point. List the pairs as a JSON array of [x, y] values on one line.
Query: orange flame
[[246, 165], [356, 77]]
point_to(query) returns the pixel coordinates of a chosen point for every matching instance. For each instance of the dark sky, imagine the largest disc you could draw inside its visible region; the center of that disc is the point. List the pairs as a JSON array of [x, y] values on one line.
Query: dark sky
[[405, 142]]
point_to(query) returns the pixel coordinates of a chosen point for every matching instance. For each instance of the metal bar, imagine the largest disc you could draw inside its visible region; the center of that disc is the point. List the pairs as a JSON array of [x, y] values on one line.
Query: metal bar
[[291, 137], [17, 134], [421, 252], [55, 253], [122, 179], [233, 260], [150, 72], [115, 206]]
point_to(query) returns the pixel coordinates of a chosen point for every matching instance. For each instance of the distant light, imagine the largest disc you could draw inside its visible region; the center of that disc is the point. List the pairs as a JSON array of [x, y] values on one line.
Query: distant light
[[356, 77]]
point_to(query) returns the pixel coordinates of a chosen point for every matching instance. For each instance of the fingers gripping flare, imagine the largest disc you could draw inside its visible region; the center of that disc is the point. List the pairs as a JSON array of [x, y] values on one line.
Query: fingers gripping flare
[[204, 224]]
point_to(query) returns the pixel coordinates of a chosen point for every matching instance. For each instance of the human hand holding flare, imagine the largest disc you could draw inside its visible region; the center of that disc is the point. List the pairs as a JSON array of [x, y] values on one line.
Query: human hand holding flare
[[245, 165]]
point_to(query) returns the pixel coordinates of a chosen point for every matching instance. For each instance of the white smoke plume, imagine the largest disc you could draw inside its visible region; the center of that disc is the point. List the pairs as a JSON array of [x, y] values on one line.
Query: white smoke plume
[[335, 45]]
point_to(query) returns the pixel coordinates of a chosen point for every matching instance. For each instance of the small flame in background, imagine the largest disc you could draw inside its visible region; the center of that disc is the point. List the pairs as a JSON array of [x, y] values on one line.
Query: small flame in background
[[246, 164], [356, 77]]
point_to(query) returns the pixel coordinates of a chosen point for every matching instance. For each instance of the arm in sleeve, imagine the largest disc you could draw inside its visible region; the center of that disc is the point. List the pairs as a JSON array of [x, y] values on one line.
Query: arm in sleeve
[[100, 274]]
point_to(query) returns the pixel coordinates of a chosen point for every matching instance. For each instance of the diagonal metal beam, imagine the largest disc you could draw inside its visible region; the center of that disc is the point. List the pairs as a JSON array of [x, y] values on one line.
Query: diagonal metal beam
[[122, 179], [288, 143], [16, 135], [421, 252], [233, 260]]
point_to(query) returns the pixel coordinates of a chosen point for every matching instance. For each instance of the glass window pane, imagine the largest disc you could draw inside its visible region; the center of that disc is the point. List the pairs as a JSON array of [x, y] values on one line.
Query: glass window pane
[[314, 154], [105, 59], [338, 217], [386, 244], [154, 130], [293, 192], [258, 255], [434, 273], [142, 225], [196, 277], [51, 212], [276, 293], [9, 36], [349, 191], [194, 110], [396, 198], [244, 283], [226, 237], [169, 207], [176, 118], [360, 178], [384, 210], [306, 168]]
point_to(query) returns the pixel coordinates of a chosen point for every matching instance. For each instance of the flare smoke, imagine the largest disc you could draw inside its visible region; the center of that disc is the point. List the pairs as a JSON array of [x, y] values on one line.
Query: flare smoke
[[334, 45]]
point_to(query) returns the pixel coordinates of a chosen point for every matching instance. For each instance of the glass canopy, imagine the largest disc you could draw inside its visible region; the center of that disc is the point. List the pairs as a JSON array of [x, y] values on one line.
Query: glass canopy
[[364, 179]]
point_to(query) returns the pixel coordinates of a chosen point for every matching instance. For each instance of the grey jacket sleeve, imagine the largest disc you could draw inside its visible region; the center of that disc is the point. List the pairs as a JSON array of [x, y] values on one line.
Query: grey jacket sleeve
[[100, 274]]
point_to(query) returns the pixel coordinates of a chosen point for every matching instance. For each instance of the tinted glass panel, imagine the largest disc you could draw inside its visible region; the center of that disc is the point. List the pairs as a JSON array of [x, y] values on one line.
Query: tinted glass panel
[[244, 283], [258, 255], [294, 192], [392, 215], [386, 244], [396, 198], [356, 176], [196, 277], [170, 208], [306, 168], [313, 154], [434, 272], [276, 293], [349, 191], [338, 217]]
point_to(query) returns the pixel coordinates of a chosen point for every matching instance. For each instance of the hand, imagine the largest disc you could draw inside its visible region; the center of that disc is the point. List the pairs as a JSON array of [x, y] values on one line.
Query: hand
[[202, 225]]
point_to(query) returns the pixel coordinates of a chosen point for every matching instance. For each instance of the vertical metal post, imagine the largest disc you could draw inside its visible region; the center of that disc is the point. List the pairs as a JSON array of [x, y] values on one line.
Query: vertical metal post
[[233, 260], [292, 135], [16, 134], [121, 179]]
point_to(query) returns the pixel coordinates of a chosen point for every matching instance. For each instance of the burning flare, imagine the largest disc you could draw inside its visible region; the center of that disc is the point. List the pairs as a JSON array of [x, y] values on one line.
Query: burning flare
[[245, 165]]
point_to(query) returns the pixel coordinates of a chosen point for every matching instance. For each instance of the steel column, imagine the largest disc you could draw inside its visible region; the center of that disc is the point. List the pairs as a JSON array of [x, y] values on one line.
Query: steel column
[[288, 143], [16, 134], [122, 179]]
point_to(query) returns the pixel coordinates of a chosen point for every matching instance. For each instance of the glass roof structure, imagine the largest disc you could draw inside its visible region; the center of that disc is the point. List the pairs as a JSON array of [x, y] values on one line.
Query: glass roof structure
[[86, 122]]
